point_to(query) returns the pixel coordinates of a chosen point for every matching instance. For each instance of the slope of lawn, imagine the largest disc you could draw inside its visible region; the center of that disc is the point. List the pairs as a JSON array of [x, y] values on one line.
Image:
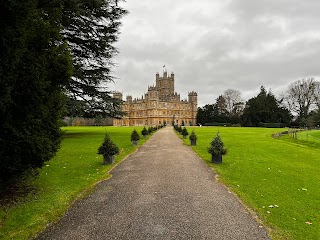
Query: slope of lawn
[[309, 136], [75, 169], [278, 178]]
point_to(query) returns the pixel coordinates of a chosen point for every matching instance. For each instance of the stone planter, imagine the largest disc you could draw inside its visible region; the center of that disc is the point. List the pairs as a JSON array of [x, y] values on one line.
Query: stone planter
[[144, 136], [108, 159], [185, 136], [216, 159], [135, 143], [193, 142]]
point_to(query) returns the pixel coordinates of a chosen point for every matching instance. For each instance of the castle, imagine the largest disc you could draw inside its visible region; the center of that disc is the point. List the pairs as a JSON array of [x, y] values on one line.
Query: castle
[[160, 105]]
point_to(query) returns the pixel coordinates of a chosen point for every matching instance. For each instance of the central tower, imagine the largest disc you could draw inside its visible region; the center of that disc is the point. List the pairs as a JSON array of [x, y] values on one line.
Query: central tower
[[165, 84]]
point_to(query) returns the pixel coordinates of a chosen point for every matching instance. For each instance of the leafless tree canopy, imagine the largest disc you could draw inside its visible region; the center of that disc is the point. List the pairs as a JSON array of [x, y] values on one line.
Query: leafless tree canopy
[[302, 96], [233, 101]]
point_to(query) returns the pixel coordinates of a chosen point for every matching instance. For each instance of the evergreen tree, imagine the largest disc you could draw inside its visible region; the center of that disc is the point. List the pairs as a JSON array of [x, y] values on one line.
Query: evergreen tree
[[220, 113], [91, 27], [35, 66], [264, 108], [205, 114]]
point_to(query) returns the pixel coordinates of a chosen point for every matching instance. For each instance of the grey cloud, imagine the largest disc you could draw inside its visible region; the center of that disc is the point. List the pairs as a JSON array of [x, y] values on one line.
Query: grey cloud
[[215, 45]]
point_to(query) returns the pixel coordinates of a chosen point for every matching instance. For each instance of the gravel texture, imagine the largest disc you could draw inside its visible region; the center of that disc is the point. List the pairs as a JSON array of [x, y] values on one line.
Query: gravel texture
[[162, 191]]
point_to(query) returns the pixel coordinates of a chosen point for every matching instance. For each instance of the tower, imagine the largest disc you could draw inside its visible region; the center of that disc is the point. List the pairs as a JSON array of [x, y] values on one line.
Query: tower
[[153, 93], [193, 100], [193, 97], [165, 84], [117, 95], [129, 99]]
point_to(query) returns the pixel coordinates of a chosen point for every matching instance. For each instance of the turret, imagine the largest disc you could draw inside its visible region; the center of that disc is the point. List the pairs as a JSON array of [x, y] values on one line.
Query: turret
[[193, 100], [117, 95], [193, 97], [129, 99], [153, 93]]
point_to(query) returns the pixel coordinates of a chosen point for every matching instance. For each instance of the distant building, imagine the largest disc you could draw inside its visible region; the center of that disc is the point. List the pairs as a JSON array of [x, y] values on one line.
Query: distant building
[[161, 105]]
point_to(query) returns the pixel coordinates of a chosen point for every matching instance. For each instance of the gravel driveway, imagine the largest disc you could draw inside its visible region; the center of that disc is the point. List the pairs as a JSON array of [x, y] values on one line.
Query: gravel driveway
[[162, 191]]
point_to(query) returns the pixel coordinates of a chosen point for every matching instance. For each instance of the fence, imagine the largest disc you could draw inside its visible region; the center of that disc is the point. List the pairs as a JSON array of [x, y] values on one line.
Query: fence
[[305, 135], [309, 136]]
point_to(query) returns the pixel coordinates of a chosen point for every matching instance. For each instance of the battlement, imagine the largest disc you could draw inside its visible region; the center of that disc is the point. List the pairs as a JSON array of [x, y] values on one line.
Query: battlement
[[165, 76], [192, 93], [152, 88]]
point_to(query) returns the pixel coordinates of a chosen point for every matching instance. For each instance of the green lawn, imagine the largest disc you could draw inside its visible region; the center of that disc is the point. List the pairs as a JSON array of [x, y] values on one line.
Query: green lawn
[[75, 169], [263, 171], [310, 136], [278, 178]]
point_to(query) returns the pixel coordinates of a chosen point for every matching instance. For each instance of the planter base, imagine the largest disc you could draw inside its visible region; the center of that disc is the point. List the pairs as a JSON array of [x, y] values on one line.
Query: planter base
[[216, 159], [108, 159], [193, 142], [135, 143]]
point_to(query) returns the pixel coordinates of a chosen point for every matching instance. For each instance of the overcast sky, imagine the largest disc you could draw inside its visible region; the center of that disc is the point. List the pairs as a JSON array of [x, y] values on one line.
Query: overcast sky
[[214, 45]]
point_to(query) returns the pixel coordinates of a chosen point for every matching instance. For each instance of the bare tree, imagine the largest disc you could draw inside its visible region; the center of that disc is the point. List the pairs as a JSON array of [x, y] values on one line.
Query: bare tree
[[317, 95], [233, 101], [302, 95]]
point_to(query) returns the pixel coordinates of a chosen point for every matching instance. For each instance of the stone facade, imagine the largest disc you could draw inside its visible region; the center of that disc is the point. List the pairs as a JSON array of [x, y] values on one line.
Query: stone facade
[[160, 105]]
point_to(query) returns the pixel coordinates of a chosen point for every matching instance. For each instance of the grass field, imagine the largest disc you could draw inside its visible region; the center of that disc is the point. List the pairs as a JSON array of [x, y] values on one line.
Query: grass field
[[75, 169], [278, 178], [310, 136]]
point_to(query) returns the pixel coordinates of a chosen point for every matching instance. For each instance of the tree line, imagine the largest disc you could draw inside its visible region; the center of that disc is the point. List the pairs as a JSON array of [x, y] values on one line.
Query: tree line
[[298, 106], [51, 52]]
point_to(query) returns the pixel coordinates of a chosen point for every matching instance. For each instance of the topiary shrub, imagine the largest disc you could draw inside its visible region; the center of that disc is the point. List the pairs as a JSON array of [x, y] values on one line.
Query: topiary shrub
[[184, 132], [217, 146], [193, 138], [150, 130], [217, 149], [144, 132], [108, 149], [135, 137]]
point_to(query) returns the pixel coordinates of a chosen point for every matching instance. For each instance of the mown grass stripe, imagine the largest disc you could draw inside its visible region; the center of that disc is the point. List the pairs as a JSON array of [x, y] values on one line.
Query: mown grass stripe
[[278, 178]]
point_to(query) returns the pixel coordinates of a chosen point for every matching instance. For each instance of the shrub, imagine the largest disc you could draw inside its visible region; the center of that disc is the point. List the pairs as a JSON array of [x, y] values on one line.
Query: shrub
[[144, 131], [193, 136], [150, 130], [108, 148], [217, 146], [270, 125], [184, 132], [135, 136]]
